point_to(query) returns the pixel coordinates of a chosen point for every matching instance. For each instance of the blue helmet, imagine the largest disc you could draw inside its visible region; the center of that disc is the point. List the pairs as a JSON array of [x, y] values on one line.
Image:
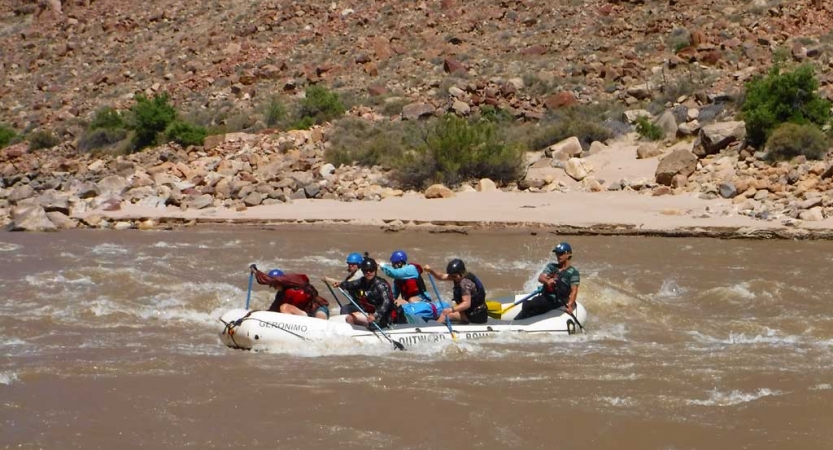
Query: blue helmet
[[562, 247], [398, 257], [275, 273], [354, 258]]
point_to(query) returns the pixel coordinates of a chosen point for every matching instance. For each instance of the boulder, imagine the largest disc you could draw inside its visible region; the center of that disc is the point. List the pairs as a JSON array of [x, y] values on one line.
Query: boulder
[[438, 191], [19, 193], [560, 100], [199, 201], [565, 149], [461, 108], [727, 190], [31, 218], [486, 185], [416, 111], [61, 220], [253, 199], [112, 185], [576, 168], [647, 151], [53, 201], [632, 115], [815, 214], [668, 123], [678, 162], [717, 136]]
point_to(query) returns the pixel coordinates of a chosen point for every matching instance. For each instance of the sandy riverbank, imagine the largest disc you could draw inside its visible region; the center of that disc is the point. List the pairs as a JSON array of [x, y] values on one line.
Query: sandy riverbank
[[620, 213]]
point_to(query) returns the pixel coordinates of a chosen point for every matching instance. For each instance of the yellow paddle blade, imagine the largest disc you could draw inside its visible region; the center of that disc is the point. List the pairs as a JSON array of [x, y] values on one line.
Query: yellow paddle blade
[[494, 306]]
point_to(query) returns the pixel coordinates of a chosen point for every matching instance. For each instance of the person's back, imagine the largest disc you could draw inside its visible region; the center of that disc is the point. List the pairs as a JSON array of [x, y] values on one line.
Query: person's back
[[407, 279], [295, 295]]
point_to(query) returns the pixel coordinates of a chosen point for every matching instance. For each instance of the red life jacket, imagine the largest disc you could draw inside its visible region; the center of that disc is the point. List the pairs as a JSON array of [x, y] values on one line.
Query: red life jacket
[[297, 298], [412, 287]]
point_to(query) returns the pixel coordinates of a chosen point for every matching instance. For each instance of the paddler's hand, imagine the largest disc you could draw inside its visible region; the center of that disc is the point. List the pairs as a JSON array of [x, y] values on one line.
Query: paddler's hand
[[569, 308], [427, 268], [447, 311], [253, 268]]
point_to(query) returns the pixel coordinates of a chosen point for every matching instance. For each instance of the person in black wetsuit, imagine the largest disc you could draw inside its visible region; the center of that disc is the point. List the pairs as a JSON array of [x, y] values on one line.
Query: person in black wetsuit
[[374, 296]]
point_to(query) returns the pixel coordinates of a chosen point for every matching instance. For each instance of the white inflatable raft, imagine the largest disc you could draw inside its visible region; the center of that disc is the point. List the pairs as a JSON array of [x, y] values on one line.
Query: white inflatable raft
[[248, 330]]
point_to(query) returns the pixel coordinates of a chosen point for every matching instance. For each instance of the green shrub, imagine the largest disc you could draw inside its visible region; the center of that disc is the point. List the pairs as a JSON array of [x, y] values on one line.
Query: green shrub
[[357, 141], [6, 135], [648, 129], [496, 115], [782, 97], [151, 117], [274, 113], [456, 150], [319, 105], [185, 134], [107, 118], [303, 123], [100, 138], [42, 139], [790, 140]]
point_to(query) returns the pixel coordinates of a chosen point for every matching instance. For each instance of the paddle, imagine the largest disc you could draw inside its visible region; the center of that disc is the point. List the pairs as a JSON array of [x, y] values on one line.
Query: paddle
[[249, 293], [333, 292], [496, 309], [440, 299], [396, 345], [563, 308]]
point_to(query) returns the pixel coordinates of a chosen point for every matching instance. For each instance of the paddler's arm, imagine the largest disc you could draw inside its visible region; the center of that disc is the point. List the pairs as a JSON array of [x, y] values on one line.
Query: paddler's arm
[[437, 275], [464, 305], [571, 303]]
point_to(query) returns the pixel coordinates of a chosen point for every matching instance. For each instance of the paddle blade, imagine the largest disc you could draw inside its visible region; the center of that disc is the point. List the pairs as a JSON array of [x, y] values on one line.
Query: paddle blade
[[398, 345], [494, 306]]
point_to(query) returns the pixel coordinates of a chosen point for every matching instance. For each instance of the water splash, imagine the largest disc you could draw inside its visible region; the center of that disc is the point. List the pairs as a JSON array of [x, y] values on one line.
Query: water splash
[[717, 398]]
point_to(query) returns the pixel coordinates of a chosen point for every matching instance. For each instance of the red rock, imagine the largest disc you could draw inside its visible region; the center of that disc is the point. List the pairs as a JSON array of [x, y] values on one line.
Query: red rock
[[376, 90], [560, 100], [535, 50], [451, 65]]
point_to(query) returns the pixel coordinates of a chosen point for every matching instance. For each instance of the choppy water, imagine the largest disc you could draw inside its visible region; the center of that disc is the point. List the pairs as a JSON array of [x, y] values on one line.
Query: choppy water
[[109, 340]]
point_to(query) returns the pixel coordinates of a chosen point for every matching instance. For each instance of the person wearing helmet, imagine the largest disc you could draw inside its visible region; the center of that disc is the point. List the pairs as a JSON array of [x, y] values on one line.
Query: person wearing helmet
[[407, 279], [295, 294], [354, 260], [560, 282], [373, 295], [469, 295]]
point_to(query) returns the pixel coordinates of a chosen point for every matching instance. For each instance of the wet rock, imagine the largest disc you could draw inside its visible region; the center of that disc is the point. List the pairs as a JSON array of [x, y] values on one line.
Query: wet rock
[[31, 218], [61, 220]]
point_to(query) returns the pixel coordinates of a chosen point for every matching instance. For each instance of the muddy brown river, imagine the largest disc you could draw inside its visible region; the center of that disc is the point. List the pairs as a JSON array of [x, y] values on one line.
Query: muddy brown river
[[108, 340]]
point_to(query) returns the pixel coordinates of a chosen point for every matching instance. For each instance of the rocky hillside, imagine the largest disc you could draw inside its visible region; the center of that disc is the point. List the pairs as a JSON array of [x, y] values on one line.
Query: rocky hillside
[[61, 60], [680, 63]]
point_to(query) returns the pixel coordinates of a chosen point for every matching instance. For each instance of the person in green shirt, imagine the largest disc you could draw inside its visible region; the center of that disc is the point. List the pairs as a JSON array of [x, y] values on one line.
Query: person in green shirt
[[560, 282]]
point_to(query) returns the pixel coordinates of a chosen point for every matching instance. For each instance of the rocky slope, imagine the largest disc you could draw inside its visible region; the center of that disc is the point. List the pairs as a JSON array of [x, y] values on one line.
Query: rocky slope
[[685, 61]]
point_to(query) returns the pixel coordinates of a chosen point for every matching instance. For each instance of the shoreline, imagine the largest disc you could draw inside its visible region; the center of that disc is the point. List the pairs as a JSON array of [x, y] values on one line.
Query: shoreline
[[574, 213]]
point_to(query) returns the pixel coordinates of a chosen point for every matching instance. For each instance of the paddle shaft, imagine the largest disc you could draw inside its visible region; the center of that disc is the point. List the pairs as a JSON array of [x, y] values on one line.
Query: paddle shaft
[[334, 294], [440, 299], [564, 308], [249, 293], [396, 345]]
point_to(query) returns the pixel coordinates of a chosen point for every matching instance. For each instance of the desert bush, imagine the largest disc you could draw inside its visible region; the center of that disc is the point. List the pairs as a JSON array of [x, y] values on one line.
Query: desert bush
[[274, 112], [790, 140], [185, 134], [782, 97], [42, 139], [151, 117], [6, 135], [455, 150], [318, 106], [100, 138], [582, 121], [107, 118], [357, 141], [496, 115], [648, 129]]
